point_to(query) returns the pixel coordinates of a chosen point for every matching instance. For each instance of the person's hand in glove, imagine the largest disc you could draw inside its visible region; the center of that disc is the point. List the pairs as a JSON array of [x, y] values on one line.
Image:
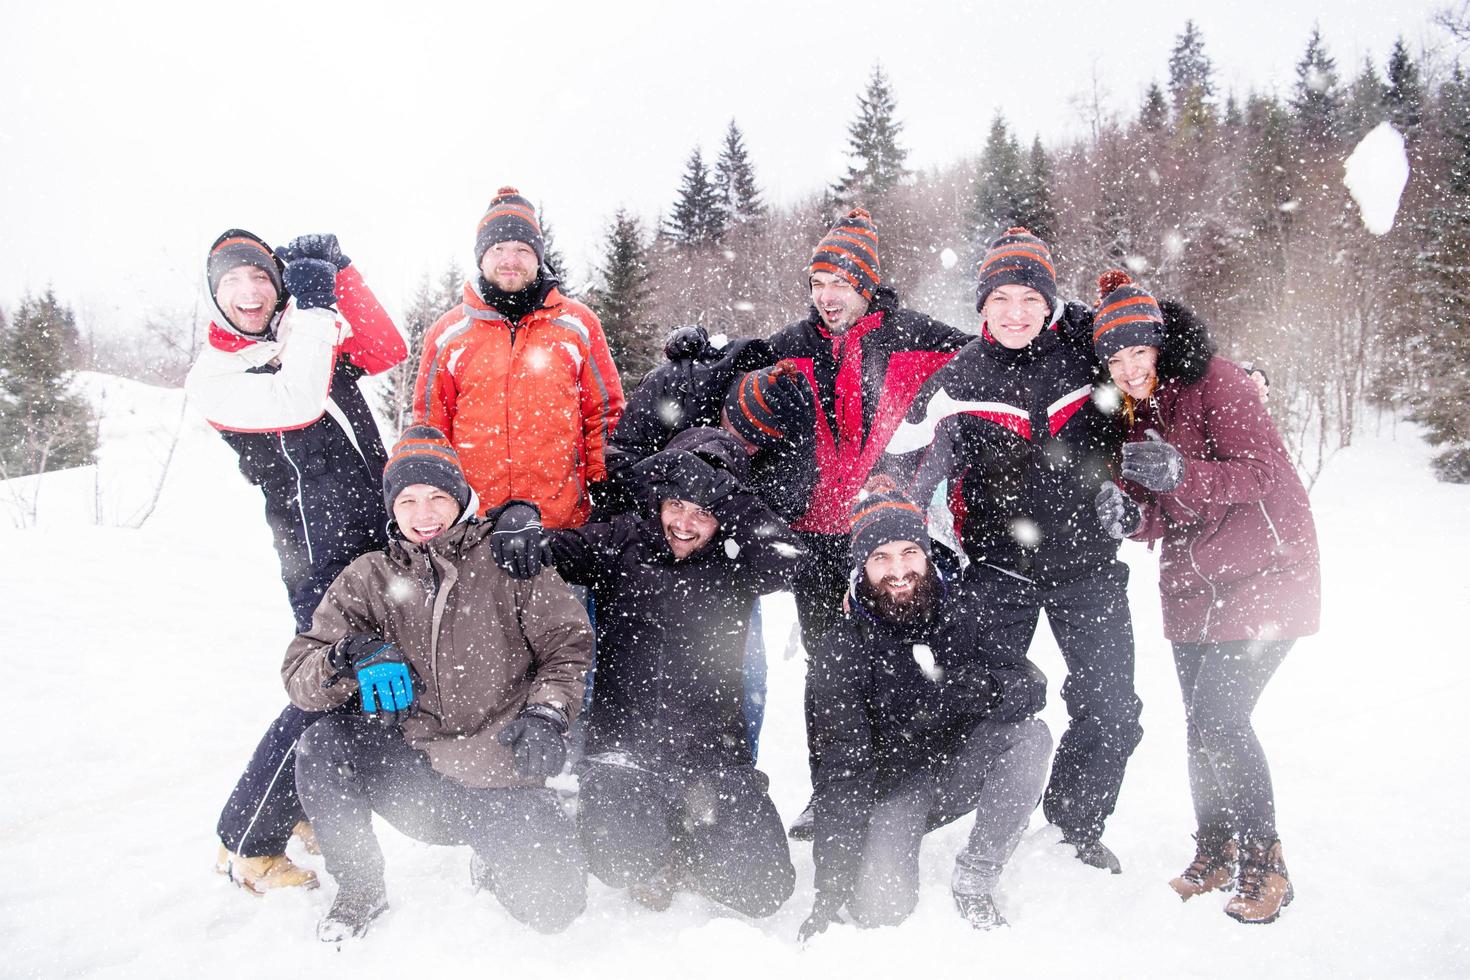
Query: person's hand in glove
[[517, 543], [677, 474], [1154, 464], [314, 247], [384, 677], [823, 915], [686, 343], [313, 282], [970, 688], [1116, 511], [535, 738]]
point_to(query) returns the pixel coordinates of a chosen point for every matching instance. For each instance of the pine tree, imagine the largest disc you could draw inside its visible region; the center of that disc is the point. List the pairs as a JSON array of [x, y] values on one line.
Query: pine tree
[[1233, 117], [1317, 98], [430, 301], [1191, 85], [735, 180], [622, 298], [999, 186], [698, 217], [44, 426], [872, 141], [1405, 95], [551, 255], [1153, 115], [1035, 211], [1365, 106]]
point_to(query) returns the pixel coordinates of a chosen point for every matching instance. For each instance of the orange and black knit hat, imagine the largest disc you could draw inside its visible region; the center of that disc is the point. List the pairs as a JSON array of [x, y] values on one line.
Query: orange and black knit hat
[[883, 514], [1126, 316], [1017, 258], [238, 247], [510, 218], [850, 250], [767, 406], [423, 455]]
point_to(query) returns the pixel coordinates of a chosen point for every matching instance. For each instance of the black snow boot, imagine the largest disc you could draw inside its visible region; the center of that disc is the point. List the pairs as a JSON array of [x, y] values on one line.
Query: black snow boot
[[803, 827], [1095, 854], [979, 911], [351, 913]]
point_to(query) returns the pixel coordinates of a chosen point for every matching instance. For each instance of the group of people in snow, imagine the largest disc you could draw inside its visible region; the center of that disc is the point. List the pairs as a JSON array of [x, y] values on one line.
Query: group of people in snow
[[544, 574]]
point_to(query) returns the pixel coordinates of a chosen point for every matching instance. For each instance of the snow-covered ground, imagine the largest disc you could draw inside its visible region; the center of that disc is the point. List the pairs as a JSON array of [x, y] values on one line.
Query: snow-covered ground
[[139, 667]]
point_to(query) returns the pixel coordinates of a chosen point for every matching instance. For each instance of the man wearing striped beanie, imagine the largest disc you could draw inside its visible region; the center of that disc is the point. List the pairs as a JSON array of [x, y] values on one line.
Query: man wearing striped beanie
[[1011, 429]]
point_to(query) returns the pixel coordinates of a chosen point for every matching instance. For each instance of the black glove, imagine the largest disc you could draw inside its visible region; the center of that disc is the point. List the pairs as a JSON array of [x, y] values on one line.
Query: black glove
[[677, 474], [384, 678], [536, 741], [1154, 464], [970, 689], [314, 247], [313, 282], [1116, 511], [790, 400], [686, 343], [517, 543]]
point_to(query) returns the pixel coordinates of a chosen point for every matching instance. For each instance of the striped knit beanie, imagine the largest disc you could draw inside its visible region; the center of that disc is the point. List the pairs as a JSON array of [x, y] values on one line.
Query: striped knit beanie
[[850, 250], [236, 248], [767, 405], [510, 218], [1017, 258], [883, 514], [423, 455], [1126, 316]]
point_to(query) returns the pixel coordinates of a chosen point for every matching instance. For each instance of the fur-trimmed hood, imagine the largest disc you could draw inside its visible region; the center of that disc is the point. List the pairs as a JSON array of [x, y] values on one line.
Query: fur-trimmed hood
[[1188, 345]]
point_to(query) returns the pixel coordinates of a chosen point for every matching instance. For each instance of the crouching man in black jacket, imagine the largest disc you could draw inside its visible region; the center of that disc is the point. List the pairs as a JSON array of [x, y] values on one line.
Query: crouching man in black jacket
[[916, 725]]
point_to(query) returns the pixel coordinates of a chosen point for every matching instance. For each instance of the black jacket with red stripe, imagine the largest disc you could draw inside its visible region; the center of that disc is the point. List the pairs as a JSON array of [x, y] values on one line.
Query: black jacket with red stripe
[[898, 349], [1025, 447]]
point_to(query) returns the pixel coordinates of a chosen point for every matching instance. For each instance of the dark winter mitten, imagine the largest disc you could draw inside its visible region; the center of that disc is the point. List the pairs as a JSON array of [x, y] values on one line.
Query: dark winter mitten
[[516, 541], [535, 737], [686, 343], [1154, 464], [969, 690], [1116, 511], [313, 282], [677, 474], [314, 247], [384, 677]]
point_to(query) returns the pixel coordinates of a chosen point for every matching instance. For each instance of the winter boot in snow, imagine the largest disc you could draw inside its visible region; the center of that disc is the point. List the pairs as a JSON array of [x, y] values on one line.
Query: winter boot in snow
[[979, 911], [352, 911], [1095, 854], [657, 893], [259, 875], [1213, 866], [803, 827], [1262, 888], [303, 832]]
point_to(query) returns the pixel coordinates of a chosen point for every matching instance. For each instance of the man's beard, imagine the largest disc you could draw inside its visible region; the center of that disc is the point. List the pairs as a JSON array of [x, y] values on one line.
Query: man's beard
[[918, 607]]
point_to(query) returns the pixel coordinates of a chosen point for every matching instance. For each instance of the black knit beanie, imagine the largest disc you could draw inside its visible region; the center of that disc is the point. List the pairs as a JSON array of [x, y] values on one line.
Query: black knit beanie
[[850, 250], [235, 248], [510, 218], [883, 516], [1017, 258], [1126, 316], [423, 455]]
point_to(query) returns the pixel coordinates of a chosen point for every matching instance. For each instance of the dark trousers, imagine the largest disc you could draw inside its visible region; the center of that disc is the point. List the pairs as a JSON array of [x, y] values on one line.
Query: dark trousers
[[349, 767], [1088, 613], [263, 807], [1228, 775], [818, 587], [997, 773], [717, 827]]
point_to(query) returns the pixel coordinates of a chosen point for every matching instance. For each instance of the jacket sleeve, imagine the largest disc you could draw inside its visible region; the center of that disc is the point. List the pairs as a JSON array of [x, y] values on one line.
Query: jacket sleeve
[[785, 476], [602, 399], [375, 344], [1020, 689], [347, 608], [762, 550], [583, 555], [435, 394], [560, 637], [233, 394], [844, 784]]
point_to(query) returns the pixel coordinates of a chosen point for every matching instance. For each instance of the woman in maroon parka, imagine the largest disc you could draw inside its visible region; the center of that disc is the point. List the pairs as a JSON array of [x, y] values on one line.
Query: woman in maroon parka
[[1204, 469]]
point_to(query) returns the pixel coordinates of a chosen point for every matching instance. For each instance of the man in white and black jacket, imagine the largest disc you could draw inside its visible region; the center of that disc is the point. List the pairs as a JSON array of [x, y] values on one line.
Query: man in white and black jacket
[[278, 379], [917, 723]]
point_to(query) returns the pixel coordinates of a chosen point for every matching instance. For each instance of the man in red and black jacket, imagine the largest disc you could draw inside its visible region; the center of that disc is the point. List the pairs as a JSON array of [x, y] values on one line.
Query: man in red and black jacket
[[865, 358], [278, 379]]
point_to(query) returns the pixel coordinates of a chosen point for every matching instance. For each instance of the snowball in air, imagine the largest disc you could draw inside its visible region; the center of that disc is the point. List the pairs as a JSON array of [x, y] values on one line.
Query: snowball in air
[[1375, 174]]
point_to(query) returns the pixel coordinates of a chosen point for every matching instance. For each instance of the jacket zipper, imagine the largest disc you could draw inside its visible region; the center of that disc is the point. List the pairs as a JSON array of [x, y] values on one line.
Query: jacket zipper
[[300, 501]]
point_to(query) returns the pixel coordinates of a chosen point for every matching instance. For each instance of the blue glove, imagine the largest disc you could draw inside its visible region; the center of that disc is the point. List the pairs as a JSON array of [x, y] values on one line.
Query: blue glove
[[314, 247], [1154, 465], [384, 677], [313, 282]]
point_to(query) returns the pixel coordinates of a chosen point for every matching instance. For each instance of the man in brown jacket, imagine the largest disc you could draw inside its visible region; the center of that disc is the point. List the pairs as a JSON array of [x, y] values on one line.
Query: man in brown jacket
[[468, 680]]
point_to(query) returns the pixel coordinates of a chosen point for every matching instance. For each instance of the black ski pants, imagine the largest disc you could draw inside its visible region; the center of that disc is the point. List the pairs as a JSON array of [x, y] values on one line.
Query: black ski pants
[[1088, 613], [716, 827], [349, 767], [1228, 775], [818, 587]]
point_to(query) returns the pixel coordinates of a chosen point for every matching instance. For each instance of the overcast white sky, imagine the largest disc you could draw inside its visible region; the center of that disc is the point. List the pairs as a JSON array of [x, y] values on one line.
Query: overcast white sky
[[132, 134]]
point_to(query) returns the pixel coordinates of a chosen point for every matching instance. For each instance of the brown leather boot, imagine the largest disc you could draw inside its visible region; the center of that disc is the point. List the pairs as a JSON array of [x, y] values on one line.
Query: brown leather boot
[[259, 875], [1213, 867], [303, 832], [1262, 888]]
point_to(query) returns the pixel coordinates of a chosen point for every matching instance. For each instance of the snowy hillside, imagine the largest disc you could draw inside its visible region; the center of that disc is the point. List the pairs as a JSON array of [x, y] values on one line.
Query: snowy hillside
[[140, 665]]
